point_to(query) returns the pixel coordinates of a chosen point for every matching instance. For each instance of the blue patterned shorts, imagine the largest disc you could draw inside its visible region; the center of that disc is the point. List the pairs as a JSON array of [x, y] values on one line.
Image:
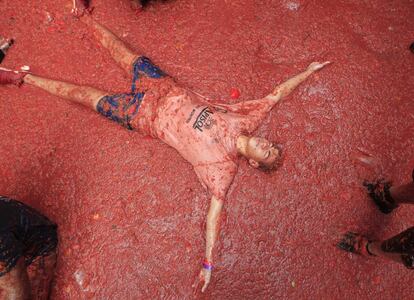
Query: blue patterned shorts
[[123, 108]]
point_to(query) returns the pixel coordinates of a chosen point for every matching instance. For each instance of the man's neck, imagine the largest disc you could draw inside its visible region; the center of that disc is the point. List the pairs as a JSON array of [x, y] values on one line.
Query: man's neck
[[241, 144]]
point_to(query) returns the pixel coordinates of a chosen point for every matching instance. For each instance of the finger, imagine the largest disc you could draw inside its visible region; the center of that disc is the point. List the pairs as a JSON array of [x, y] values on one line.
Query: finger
[[204, 286], [326, 63], [197, 281], [196, 286]]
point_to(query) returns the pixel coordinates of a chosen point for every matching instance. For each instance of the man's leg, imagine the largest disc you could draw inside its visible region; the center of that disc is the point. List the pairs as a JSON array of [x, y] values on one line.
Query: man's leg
[[257, 110], [86, 96], [119, 51], [15, 284], [132, 62], [121, 108]]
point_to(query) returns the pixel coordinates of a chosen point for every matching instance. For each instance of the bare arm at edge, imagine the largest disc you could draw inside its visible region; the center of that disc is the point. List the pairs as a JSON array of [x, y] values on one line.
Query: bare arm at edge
[[257, 110]]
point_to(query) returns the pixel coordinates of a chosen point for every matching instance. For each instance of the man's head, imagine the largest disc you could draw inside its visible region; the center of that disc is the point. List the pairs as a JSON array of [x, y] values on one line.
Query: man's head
[[259, 152]]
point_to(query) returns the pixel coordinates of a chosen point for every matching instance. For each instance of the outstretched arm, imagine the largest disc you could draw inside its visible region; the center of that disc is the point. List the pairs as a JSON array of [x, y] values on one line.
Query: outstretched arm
[[257, 110], [289, 85], [212, 230]]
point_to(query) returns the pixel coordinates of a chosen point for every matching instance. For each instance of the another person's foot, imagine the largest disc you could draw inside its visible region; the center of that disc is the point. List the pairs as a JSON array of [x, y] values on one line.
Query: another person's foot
[[11, 77], [355, 243], [80, 7], [5, 43], [379, 192], [136, 5]]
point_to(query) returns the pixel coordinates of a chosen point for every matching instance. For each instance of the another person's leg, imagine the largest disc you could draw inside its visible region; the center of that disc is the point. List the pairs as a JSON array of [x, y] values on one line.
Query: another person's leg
[[388, 197], [399, 248], [403, 193], [401, 245], [15, 285]]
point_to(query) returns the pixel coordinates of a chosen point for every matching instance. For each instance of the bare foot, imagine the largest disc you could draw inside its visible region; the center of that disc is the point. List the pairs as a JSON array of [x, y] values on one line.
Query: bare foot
[[136, 5], [355, 243], [81, 7]]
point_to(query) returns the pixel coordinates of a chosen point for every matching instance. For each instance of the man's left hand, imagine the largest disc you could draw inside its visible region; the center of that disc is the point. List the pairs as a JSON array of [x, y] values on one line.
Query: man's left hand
[[205, 276]]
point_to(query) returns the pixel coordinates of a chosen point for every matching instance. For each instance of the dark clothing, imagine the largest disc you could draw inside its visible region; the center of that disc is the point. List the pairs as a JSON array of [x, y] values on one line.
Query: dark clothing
[[24, 232], [121, 108], [2, 55], [403, 244]]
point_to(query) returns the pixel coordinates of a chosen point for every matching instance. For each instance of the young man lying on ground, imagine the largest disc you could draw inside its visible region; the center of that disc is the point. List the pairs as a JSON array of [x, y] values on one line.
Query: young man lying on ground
[[399, 248], [25, 235], [212, 137]]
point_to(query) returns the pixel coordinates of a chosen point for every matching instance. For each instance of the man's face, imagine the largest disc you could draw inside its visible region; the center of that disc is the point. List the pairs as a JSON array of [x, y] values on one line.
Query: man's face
[[261, 152]]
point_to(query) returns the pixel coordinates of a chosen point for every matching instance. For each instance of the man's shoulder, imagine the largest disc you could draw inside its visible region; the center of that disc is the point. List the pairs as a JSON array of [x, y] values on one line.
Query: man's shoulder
[[217, 176]]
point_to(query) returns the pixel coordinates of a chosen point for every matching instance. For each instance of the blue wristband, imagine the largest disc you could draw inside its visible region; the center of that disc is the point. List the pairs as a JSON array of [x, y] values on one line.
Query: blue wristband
[[207, 266]]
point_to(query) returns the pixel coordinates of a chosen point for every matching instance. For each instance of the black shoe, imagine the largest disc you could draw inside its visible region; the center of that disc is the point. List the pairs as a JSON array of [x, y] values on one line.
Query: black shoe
[[355, 243], [380, 193]]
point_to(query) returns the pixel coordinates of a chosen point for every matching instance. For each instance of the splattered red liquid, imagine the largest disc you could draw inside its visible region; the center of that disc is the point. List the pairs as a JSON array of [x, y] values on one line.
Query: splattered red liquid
[[280, 228]]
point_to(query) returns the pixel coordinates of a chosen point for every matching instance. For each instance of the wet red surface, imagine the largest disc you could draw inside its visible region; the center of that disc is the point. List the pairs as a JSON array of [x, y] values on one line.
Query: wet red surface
[[131, 211]]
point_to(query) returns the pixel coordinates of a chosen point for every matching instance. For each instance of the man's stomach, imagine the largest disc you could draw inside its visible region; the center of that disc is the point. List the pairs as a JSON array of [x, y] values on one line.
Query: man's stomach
[[184, 121]]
